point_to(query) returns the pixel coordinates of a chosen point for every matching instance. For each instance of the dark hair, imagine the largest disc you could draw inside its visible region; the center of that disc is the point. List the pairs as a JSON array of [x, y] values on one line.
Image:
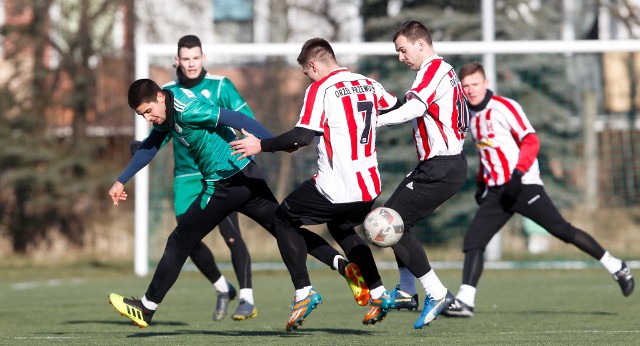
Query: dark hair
[[316, 48], [471, 68], [142, 91], [413, 31], [189, 41]]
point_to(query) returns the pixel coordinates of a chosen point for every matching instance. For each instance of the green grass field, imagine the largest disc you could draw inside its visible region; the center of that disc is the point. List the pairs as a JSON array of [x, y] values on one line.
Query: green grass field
[[69, 306]]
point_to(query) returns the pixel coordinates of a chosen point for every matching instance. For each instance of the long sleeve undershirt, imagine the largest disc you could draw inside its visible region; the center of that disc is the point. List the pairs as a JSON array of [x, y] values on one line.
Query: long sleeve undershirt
[[293, 139], [412, 109], [150, 146]]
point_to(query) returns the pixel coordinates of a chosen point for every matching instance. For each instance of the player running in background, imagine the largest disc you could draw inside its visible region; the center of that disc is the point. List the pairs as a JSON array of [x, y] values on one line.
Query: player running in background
[[508, 182], [437, 107], [339, 113], [229, 184], [187, 182]]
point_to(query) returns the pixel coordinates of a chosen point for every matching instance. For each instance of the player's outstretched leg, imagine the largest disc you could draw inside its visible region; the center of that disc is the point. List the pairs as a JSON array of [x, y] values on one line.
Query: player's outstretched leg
[[403, 300], [222, 303], [432, 308], [132, 309], [378, 308], [302, 308], [351, 272], [625, 280]]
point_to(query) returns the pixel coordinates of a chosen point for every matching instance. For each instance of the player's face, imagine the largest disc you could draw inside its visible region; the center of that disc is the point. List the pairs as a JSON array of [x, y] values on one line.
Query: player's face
[[409, 53], [475, 88], [154, 112], [190, 61]]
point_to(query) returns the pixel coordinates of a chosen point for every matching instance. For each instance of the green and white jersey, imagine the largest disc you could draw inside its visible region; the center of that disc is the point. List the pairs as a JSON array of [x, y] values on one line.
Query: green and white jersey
[[195, 125], [221, 91], [186, 186]]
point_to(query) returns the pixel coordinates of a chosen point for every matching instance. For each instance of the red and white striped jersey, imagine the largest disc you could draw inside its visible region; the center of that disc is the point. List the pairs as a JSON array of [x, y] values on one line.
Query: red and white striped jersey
[[442, 129], [498, 131], [344, 107]]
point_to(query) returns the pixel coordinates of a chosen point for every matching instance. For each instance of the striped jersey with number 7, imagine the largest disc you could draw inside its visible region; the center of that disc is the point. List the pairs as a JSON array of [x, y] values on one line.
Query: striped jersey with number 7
[[343, 107]]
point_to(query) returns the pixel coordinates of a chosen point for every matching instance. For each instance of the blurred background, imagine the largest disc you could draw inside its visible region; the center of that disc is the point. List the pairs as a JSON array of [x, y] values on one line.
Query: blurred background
[[65, 66]]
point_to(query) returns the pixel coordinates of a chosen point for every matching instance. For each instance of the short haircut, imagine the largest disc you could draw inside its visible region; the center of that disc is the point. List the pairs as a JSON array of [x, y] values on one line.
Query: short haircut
[[413, 31], [189, 41], [471, 68], [142, 91], [316, 48]]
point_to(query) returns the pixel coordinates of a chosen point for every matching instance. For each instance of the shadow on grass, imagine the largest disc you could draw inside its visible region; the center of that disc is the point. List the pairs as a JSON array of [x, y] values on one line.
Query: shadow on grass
[[541, 312], [296, 334], [126, 322]]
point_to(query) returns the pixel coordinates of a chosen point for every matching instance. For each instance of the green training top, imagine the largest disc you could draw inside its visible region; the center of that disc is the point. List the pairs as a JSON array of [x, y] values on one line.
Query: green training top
[[219, 90], [195, 126]]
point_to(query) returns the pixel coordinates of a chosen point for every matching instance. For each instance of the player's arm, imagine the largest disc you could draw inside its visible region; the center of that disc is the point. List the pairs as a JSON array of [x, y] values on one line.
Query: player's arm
[[140, 159], [143, 155], [293, 139], [289, 141], [529, 148], [134, 145], [414, 108], [240, 121], [203, 113], [397, 105]]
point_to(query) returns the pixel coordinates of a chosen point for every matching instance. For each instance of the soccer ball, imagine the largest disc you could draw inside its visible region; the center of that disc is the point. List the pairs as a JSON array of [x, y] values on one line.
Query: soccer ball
[[383, 227]]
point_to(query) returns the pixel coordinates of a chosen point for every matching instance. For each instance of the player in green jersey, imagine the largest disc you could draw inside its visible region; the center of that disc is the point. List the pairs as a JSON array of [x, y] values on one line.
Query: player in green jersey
[[187, 181], [228, 184]]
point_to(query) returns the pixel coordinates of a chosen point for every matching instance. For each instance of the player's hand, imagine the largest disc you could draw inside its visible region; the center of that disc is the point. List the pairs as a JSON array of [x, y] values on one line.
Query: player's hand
[[481, 192], [117, 193], [513, 187], [248, 146]]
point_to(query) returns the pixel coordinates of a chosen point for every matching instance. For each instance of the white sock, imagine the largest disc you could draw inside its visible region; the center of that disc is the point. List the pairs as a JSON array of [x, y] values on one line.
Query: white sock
[[148, 304], [467, 295], [432, 285], [611, 263], [221, 285], [335, 261], [407, 281], [377, 292], [246, 294], [302, 293]]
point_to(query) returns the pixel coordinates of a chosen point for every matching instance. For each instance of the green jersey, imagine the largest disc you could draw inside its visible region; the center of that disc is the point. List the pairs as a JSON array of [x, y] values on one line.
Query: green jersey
[[195, 125], [186, 186], [222, 93]]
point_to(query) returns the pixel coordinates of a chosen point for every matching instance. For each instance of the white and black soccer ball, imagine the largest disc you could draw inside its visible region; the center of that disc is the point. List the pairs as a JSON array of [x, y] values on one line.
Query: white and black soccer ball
[[383, 227]]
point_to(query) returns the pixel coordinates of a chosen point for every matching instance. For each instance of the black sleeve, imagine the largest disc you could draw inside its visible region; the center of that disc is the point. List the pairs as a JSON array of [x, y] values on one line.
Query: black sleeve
[[296, 138], [396, 106]]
